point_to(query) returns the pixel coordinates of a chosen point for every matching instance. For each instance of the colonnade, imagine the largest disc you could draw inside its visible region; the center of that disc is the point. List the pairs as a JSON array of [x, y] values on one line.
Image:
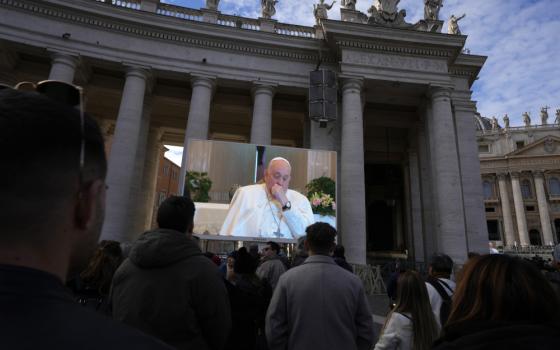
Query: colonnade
[[132, 166], [519, 206]]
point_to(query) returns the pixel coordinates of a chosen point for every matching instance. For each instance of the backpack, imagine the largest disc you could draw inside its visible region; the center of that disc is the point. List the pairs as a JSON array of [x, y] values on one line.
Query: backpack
[[440, 286]]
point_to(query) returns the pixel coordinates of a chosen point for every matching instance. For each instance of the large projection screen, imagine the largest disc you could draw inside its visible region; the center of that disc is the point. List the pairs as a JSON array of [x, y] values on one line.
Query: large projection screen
[[230, 165]]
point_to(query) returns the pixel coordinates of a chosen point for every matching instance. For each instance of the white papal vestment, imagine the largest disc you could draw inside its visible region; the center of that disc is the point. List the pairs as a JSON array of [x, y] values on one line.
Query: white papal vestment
[[253, 213]]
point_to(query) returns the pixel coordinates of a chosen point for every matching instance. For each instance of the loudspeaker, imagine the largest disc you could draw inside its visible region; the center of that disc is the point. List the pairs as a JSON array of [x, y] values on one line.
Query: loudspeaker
[[322, 96]]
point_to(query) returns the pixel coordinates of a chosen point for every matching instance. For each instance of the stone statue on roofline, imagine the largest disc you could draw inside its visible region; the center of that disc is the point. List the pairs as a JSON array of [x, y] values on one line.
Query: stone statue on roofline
[[506, 121], [526, 119], [386, 12], [431, 9], [349, 4], [494, 122], [453, 25], [268, 8], [557, 120], [212, 4], [320, 10], [544, 115]]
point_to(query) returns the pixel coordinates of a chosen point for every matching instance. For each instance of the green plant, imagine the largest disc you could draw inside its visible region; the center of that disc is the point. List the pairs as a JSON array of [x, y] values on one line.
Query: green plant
[[321, 193], [199, 185]]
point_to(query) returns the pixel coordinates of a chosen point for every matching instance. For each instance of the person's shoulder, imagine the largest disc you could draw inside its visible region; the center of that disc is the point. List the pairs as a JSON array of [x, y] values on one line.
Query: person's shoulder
[[120, 336], [401, 318], [251, 188], [86, 326]]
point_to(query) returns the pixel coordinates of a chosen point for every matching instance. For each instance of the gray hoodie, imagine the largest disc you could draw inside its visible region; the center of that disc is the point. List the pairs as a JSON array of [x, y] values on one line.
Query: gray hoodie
[[168, 289]]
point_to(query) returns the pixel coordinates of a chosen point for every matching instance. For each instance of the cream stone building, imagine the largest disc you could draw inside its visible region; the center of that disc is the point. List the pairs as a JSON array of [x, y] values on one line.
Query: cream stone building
[[520, 169], [408, 173]]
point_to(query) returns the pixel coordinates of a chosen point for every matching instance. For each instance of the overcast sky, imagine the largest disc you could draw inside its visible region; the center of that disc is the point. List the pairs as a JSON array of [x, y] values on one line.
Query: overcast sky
[[520, 38]]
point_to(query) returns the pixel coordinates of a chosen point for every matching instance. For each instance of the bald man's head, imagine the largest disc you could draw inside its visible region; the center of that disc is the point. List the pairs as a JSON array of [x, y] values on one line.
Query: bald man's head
[[278, 172]]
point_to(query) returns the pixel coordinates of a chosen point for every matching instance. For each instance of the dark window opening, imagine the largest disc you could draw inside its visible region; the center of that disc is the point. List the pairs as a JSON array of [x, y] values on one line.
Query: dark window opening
[[530, 208], [535, 237], [490, 209], [493, 230]]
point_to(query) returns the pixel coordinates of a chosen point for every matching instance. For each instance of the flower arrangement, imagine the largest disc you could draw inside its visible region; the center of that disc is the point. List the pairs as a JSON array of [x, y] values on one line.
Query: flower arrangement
[[199, 185], [321, 194]]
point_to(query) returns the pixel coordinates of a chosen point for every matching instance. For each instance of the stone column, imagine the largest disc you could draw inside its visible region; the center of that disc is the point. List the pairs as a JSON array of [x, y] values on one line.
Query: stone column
[[426, 188], [149, 179], [352, 209], [415, 199], [63, 67], [543, 208], [122, 162], [199, 117], [506, 210], [446, 177], [137, 191], [469, 166], [261, 126], [519, 210]]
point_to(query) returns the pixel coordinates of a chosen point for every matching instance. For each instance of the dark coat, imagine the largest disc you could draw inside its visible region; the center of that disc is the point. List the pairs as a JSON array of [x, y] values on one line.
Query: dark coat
[[38, 312], [249, 298], [491, 335], [341, 261], [169, 289]]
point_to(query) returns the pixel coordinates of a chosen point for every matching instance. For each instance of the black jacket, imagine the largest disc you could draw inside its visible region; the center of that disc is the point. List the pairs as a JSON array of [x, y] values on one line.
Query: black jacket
[[168, 289], [38, 312], [491, 335], [249, 298]]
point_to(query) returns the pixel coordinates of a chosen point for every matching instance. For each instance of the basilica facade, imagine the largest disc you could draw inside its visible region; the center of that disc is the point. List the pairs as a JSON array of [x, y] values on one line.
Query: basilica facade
[[153, 74], [520, 169]]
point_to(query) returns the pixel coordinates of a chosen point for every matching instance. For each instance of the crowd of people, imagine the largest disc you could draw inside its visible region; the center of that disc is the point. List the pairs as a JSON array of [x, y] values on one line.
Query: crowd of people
[[60, 289]]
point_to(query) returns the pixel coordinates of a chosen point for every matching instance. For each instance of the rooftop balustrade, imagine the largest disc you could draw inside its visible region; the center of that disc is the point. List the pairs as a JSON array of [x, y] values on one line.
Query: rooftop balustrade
[[218, 18]]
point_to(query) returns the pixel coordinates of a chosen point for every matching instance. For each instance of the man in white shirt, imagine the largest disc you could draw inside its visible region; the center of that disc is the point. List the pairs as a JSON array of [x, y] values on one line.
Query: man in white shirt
[[439, 282], [270, 209]]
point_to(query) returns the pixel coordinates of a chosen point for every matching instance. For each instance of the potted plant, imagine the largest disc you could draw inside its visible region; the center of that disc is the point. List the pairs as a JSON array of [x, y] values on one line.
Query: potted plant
[[199, 185], [321, 193]]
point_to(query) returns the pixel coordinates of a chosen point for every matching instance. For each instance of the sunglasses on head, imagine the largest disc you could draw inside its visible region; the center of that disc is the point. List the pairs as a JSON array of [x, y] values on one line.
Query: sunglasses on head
[[64, 93]]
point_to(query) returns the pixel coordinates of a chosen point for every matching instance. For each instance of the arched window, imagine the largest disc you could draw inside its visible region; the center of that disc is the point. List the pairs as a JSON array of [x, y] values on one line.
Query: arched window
[[526, 189], [554, 186], [487, 189]]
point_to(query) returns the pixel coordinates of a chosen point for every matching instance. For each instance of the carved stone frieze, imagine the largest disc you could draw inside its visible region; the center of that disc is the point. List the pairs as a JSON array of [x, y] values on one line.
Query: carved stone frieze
[[395, 49], [394, 61]]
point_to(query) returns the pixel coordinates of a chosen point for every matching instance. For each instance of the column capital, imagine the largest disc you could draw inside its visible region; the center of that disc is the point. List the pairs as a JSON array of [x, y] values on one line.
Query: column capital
[[515, 174], [438, 92], [352, 84], [203, 80], [538, 174], [464, 105], [261, 87], [502, 176], [138, 71], [69, 58]]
